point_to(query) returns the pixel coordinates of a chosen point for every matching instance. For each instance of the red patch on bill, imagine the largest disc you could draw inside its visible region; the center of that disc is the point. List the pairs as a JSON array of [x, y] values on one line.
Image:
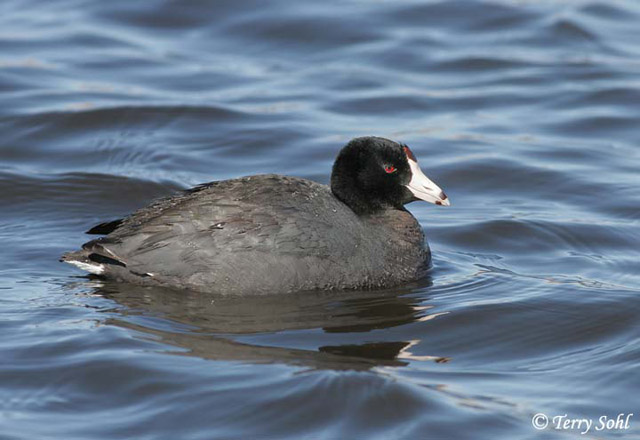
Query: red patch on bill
[[409, 153]]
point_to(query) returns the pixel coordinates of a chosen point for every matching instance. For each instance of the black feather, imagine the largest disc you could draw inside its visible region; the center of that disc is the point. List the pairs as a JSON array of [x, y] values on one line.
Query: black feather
[[105, 228]]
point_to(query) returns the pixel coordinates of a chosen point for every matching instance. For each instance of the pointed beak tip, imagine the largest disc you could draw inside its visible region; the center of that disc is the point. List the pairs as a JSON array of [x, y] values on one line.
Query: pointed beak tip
[[443, 200], [423, 188]]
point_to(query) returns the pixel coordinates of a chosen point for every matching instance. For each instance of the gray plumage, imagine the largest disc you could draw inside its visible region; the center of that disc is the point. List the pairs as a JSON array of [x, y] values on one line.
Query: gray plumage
[[258, 235]]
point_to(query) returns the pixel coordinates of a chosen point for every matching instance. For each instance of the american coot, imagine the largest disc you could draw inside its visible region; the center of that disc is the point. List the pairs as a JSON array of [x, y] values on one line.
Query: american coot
[[278, 234]]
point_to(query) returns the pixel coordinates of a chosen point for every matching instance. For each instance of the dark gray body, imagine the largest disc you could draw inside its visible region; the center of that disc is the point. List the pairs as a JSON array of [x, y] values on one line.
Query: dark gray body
[[260, 234]]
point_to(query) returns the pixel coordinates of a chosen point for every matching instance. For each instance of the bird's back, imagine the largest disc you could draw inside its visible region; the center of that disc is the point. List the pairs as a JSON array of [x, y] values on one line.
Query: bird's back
[[259, 233]]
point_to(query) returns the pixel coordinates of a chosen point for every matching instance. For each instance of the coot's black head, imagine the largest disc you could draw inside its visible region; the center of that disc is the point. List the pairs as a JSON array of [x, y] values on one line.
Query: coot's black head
[[371, 174]]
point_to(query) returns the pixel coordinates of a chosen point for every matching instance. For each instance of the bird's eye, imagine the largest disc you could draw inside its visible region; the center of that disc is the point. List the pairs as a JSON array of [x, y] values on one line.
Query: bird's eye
[[390, 169]]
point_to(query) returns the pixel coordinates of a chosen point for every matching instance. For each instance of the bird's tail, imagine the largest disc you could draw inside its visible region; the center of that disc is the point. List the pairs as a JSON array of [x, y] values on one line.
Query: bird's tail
[[81, 260]]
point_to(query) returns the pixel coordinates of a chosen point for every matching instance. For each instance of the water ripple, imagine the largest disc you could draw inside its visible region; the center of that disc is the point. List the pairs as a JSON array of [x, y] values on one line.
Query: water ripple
[[524, 112]]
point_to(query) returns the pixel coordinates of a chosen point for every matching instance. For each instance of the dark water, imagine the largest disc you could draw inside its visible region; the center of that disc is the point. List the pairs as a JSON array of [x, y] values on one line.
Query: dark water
[[527, 113]]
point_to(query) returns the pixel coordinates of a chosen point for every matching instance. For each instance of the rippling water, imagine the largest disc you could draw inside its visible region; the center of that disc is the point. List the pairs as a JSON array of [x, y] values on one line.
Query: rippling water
[[525, 112]]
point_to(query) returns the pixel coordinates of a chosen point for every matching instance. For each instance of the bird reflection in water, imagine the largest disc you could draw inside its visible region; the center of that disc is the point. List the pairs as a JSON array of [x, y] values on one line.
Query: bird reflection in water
[[245, 328]]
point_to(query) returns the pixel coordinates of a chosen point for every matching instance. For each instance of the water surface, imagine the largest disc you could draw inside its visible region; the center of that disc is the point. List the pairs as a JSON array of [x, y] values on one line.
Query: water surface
[[526, 113]]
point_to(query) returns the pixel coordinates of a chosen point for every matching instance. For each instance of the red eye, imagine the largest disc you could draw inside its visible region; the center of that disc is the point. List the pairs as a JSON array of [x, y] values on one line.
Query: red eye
[[390, 169]]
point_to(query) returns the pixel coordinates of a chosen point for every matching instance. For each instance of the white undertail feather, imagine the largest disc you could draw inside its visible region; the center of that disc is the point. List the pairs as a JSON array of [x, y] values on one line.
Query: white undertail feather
[[93, 268]]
